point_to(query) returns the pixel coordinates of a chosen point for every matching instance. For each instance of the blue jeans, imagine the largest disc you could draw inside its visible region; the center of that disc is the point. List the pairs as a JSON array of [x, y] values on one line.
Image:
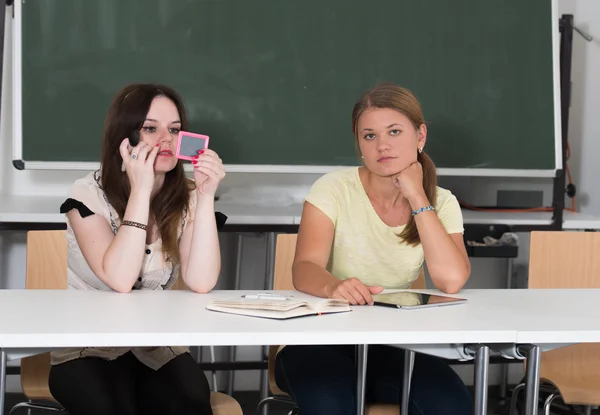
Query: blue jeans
[[322, 380]]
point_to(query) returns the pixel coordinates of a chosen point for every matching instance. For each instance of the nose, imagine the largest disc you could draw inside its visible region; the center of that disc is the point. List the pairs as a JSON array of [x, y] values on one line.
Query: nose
[[382, 143], [165, 136]]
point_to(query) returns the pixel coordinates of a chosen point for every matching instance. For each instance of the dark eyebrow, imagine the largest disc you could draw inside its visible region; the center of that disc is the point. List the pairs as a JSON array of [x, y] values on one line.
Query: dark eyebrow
[[172, 122], [389, 126]]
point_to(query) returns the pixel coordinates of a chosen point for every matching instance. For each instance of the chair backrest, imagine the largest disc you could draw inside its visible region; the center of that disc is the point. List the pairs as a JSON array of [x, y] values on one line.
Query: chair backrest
[[46, 260], [568, 260], [46, 269], [564, 260], [285, 250]]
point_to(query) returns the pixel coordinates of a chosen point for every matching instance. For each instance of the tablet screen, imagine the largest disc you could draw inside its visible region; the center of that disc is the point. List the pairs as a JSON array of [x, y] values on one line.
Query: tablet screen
[[415, 299]]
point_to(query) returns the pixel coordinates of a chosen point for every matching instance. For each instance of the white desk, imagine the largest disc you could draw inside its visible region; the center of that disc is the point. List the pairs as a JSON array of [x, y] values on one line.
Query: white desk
[[547, 315], [491, 317], [74, 318], [551, 319], [30, 209], [574, 221], [36, 209], [67, 318]]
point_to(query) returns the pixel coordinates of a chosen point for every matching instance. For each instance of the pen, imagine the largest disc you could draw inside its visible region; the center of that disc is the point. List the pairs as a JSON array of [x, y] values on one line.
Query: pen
[[265, 297]]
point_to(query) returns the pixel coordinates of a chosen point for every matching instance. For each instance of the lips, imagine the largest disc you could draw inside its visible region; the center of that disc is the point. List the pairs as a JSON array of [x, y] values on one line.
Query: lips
[[165, 153], [384, 159]]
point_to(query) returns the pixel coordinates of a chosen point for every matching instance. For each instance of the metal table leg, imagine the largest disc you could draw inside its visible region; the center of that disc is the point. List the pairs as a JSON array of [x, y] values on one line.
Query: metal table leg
[[482, 361], [239, 242], [361, 378], [532, 382], [269, 275], [270, 260], [409, 363], [504, 366], [3, 360]]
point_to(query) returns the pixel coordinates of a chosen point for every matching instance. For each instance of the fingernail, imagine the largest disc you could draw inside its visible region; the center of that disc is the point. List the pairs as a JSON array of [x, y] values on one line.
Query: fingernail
[[157, 145], [200, 151], [195, 157], [194, 162]]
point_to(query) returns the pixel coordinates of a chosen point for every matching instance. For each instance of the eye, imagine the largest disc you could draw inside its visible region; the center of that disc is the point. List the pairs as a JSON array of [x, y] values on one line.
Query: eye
[[149, 129], [395, 132], [369, 136], [174, 130]]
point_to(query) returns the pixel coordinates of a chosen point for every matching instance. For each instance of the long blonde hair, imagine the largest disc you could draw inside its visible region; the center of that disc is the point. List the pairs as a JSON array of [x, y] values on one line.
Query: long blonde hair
[[392, 96]]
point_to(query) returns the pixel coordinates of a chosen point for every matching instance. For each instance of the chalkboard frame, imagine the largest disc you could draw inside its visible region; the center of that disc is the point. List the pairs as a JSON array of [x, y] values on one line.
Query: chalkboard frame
[[21, 164]]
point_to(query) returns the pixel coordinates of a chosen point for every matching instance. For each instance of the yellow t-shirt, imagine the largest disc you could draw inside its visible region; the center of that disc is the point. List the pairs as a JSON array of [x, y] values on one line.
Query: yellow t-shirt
[[363, 245]]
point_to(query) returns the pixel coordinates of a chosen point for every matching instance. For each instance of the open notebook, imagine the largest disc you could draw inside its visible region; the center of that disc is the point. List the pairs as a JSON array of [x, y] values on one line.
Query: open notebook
[[279, 309]]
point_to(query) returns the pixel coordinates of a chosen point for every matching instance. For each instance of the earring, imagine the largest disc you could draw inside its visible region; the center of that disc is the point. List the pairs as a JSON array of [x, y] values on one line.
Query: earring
[[362, 157], [420, 149]]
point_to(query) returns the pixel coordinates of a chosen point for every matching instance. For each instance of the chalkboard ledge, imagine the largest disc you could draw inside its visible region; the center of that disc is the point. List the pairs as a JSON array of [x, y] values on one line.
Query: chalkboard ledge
[[302, 169]]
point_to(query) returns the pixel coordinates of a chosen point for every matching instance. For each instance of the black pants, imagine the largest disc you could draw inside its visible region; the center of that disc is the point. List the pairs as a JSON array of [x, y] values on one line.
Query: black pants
[[125, 386]]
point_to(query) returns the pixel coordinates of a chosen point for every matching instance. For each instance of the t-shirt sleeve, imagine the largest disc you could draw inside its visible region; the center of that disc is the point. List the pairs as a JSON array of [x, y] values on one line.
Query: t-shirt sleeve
[[324, 196], [449, 213], [85, 198]]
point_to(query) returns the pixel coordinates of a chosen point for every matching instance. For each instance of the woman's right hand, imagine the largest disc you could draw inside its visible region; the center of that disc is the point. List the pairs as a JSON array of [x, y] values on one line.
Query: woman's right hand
[[354, 291], [139, 164]]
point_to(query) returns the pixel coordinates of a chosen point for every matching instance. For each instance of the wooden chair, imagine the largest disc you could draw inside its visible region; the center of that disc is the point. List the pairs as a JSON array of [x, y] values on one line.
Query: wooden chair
[[47, 270], [285, 250], [567, 260]]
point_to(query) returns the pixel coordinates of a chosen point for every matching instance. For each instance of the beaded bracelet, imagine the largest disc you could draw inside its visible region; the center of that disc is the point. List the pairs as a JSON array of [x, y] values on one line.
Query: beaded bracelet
[[423, 209], [134, 224]]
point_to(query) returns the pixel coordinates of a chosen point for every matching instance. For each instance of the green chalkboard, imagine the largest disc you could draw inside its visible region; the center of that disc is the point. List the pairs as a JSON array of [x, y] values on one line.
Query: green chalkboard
[[274, 81]]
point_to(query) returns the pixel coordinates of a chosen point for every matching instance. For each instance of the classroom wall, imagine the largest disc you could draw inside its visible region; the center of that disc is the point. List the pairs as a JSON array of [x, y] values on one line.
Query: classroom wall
[[486, 273], [584, 127]]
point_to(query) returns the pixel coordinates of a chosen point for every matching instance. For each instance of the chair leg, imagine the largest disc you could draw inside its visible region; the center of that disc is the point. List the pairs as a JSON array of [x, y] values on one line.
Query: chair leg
[[546, 387], [548, 403], [512, 408], [37, 406], [262, 405], [588, 410]]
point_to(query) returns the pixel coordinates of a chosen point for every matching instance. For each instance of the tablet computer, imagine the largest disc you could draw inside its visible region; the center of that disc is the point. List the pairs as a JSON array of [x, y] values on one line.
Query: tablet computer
[[415, 299]]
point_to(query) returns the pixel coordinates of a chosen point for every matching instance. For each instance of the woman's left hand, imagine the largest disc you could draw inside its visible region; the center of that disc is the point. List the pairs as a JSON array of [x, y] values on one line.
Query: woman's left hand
[[410, 180], [208, 172]]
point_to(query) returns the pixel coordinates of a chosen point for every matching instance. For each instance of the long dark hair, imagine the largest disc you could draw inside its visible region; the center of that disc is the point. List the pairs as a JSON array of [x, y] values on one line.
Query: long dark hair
[[392, 96], [127, 113]]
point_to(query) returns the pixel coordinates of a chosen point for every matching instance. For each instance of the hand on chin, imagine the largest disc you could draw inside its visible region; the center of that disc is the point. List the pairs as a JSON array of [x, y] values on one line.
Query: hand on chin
[[394, 169]]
